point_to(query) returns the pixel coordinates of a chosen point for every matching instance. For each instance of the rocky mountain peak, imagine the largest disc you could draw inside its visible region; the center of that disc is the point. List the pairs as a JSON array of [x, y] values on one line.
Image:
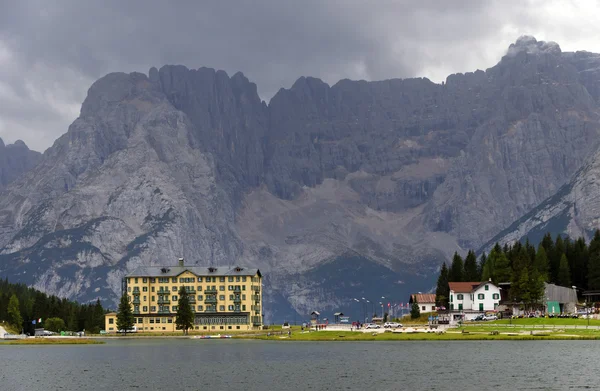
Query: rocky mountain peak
[[530, 45]]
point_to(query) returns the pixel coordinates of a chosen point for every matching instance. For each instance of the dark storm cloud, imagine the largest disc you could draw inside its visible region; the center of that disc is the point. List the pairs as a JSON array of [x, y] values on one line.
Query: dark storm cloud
[[50, 52]]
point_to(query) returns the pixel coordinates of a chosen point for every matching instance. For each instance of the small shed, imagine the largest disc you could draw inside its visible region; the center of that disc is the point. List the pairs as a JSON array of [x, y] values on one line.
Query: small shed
[[314, 317], [337, 317]]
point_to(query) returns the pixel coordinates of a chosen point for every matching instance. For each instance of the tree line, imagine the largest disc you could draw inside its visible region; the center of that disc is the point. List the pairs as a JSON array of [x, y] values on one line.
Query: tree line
[[561, 261], [20, 305]]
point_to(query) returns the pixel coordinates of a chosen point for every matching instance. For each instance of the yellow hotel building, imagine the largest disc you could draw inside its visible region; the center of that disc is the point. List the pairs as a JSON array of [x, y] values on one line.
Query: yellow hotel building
[[223, 298]]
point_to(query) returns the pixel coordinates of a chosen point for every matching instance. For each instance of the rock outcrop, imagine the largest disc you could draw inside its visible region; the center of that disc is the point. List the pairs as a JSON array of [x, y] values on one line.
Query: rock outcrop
[[16, 159]]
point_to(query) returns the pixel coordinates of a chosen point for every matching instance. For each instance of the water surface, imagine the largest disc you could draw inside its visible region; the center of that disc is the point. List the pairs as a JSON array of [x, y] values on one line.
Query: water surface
[[179, 364]]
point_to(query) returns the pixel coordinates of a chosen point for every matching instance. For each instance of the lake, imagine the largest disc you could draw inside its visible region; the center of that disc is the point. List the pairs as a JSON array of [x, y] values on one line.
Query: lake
[[181, 364]]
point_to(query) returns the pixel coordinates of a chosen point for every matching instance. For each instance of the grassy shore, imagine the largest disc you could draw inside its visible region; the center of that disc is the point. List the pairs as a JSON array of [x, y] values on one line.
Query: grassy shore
[[51, 341], [471, 334], [549, 321]]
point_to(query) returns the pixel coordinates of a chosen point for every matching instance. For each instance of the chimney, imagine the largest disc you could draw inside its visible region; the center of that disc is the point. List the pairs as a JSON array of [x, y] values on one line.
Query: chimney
[[181, 262]]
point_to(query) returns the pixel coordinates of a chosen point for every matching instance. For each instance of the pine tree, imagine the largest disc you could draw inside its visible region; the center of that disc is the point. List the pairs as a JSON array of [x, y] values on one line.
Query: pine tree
[[594, 262], [536, 286], [519, 282], [442, 290], [554, 258], [124, 315], [480, 266], [564, 276], [415, 312], [14, 313], [502, 272], [185, 315], [456, 269], [541, 262], [471, 273]]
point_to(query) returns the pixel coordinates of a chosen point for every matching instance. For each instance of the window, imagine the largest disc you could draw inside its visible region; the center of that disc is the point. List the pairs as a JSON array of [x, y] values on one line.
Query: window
[[199, 288], [174, 308], [174, 280], [495, 296], [451, 298], [222, 288], [152, 298], [145, 298], [237, 278], [460, 307], [111, 321], [174, 289], [152, 289], [487, 287], [222, 279], [152, 320], [423, 308], [243, 297], [144, 280], [136, 280], [199, 297], [244, 307], [174, 298], [199, 279], [170, 320], [243, 280], [221, 308], [481, 296], [140, 320], [199, 308], [459, 296], [432, 308], [243, 287], [145, 289], [451, 307], [230, 279], [153, 308], [480, 306], [152, 279], [128, 289], [221, 297], [145, 308], [230, 308]]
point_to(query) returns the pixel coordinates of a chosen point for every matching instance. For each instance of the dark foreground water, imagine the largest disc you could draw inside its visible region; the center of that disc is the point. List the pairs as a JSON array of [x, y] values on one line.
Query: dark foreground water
[[259, 365]]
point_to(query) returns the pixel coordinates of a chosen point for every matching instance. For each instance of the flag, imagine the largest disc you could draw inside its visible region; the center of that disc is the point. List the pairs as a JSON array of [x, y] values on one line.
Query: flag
[[33, 321], [389, 305], [40, 320]]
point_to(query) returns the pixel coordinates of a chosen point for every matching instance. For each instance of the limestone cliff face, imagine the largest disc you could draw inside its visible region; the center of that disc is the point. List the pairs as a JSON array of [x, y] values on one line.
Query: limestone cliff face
[[334, 192], [16, 159]]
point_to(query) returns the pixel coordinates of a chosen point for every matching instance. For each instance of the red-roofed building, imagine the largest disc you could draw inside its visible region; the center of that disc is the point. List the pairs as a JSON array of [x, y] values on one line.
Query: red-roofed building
[[473, 296], [426, 301]]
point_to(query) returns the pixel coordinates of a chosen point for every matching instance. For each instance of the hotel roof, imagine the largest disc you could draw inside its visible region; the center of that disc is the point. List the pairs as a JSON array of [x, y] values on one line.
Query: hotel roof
[[173, 271]]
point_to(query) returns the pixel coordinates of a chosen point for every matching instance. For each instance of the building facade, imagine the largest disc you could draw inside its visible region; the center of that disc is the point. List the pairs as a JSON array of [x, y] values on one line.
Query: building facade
[[426, 301], [223, 298], [473, 296]]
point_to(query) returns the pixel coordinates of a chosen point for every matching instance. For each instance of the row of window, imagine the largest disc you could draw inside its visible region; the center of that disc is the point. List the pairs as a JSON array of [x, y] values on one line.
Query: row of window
[[165, 280], [221, 319], [199, 308], [460, 306], [480, 296], [200, 297], [188, 288]]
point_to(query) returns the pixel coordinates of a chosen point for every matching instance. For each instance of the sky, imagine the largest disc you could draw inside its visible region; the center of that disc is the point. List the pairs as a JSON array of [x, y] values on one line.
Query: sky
[[52, 51]]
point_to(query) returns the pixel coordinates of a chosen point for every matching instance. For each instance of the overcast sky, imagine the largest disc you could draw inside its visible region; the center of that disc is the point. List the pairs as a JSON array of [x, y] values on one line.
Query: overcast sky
[[51, 51]]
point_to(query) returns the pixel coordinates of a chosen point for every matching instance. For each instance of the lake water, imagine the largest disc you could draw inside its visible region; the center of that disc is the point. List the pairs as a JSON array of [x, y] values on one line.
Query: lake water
[[180, 364]]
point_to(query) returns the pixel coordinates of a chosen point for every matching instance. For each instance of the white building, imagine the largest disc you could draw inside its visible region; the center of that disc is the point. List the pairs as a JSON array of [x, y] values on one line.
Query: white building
[[426, 301], [473, 296]]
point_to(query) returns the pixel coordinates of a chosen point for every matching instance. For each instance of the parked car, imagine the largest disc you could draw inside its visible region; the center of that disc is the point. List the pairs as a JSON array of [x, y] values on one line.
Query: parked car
[[372, 326], [391, 325], [478, 318], [490, 317]]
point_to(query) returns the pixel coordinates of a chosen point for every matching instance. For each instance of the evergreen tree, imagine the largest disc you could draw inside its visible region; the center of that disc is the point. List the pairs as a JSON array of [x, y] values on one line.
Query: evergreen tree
[[456, 269], [14, 313], [185, 315], [564, 276], [442, 291], [579, 264], [415, 312], [541, 262], [519, 282], [480, 266], [593, 276], [471, 272], [502, 272], [536, 286], [554, 258], [124, 315]]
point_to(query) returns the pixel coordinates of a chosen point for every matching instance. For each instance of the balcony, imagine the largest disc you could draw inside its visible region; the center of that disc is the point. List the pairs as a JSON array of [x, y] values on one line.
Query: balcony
[[164, 311], [136, 312], [237, 299], [192, 300], [256, 298], [236, 289], [136, 292], [191, 291], [210, 300], [164, 301], [210, 310], [210, 291], [136, 300]]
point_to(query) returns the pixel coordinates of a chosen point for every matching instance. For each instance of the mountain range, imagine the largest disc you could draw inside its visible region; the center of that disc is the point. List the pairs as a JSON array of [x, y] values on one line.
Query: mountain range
[[360, 189]]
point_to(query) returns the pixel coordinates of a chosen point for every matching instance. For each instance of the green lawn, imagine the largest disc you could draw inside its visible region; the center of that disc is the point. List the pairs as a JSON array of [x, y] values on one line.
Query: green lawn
[[548, 321], [453, 335]]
